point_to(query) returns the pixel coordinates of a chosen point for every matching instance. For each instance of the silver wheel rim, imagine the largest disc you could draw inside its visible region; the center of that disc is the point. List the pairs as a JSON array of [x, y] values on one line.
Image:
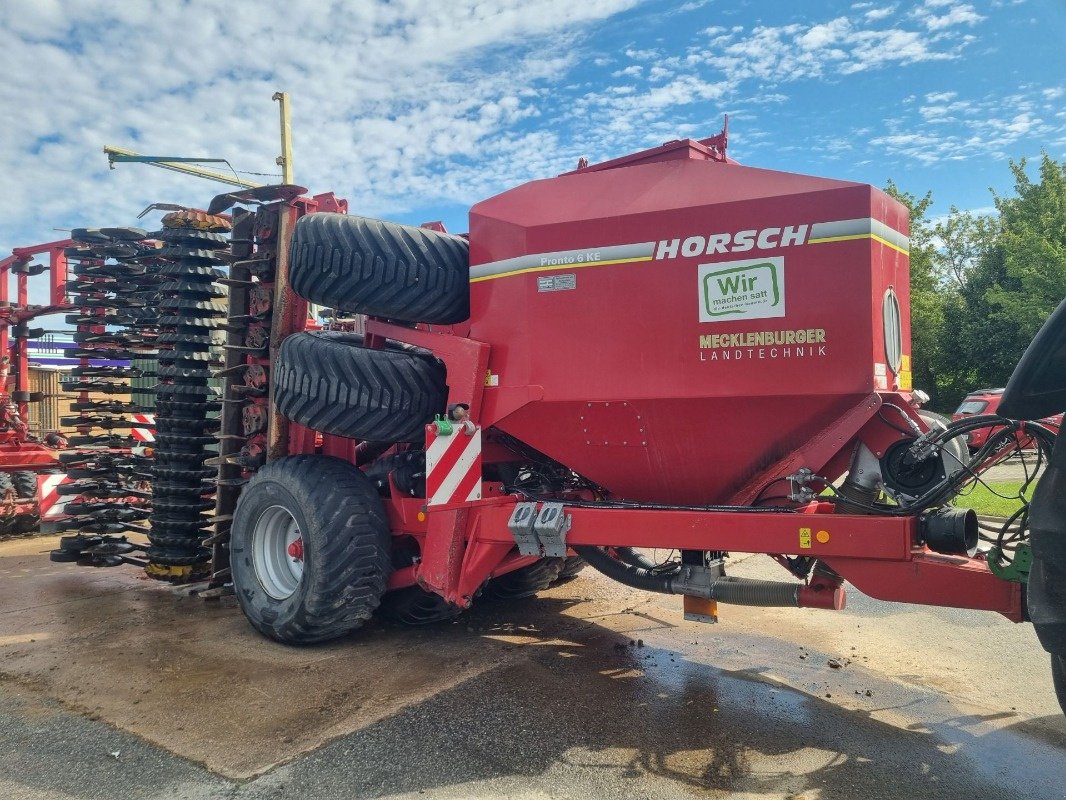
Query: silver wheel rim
[[278, 572]]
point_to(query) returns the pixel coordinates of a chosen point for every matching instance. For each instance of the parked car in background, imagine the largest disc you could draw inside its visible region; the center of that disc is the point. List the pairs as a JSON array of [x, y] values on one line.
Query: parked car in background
[[982, 402]]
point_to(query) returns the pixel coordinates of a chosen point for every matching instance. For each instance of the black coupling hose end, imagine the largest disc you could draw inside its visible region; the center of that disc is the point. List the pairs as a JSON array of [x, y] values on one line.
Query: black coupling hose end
[[952, 531]]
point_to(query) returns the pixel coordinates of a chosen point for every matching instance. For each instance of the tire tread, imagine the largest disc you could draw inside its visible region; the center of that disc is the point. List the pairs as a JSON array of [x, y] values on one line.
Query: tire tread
[[384, 269], [329, 382], [352, 559]]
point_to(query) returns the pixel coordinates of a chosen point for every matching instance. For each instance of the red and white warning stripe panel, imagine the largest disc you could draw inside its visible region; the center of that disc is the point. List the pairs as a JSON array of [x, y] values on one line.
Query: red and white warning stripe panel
[[52, 504], [453, 463], [147, 433]]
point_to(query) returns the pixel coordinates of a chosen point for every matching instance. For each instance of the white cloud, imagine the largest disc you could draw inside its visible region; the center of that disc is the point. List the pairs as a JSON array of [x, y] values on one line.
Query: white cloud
[[953, 129], [956, 14], [837, 47], [877, 14], [637, 116], [820, 36], [394, 104], [642, 55], [408, 104]]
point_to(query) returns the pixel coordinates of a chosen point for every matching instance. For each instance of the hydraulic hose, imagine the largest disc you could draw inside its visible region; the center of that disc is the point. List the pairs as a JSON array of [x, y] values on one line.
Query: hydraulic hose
[[634, 558], [639, 577], [724, 589], [855, 499], [851, 498]]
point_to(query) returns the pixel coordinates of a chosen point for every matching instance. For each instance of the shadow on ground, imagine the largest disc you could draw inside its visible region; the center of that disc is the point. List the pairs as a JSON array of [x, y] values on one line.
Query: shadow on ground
[[585, 709]]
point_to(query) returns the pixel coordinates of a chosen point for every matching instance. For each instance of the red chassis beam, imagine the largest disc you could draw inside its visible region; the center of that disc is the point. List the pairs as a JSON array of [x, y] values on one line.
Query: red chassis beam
[[27, 456], [881, 556]]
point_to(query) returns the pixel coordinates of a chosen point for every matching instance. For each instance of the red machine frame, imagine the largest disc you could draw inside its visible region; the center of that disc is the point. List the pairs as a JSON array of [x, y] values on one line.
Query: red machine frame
[[463, 544], [17, 453]]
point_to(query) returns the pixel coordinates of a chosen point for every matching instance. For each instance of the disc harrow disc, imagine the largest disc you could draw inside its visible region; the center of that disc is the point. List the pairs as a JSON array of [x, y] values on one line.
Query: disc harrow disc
[[179, 524], [182, 488], [193, 237], [188, 271], [169, 406], [175, 473], [177, 558], [198, 220], [175, 506]]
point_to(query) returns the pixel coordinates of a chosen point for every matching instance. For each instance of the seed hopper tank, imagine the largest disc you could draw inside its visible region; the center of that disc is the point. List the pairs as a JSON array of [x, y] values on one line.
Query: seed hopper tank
[[671, 324]]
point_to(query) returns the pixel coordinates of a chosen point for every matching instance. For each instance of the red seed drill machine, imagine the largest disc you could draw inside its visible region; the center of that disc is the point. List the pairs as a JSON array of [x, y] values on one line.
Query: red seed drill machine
[[665, 351]]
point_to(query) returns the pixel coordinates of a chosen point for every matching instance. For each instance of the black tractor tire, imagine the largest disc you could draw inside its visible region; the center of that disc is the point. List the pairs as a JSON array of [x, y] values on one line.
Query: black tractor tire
[[329, 382], [1058, 675], [25, 484], [346, 549], [368, 266], [525, 581], [27, 523], [572, 565], [413, 605]]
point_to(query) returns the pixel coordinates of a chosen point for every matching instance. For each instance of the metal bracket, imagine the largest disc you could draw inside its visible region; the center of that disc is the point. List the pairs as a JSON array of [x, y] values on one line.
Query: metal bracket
[[540, 533], [551, 526], [698, 580], [521, 527]]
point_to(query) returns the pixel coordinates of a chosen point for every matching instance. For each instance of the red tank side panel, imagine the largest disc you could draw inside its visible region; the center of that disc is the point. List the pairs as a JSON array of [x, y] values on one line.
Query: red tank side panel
[[683, 323]]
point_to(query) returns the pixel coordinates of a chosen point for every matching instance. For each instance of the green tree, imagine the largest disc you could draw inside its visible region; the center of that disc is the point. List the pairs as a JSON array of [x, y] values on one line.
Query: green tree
[[981, 286], [988, 343], [966, 242], [1033, 249], [964, 239], [927, 303]]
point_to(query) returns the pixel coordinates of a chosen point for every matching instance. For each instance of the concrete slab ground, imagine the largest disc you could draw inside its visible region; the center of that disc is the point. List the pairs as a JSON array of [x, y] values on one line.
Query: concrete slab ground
[[191, 675], [115, 686]]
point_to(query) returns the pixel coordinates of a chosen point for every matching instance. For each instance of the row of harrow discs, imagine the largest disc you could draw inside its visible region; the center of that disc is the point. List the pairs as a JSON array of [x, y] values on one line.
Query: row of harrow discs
[[146, 412]]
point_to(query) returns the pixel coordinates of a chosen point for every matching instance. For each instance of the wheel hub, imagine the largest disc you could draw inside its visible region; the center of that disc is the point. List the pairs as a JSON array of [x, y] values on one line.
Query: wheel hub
[[278, 552]]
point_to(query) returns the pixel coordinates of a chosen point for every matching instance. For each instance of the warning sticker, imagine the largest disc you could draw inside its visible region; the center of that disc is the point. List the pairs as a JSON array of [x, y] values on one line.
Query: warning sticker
[[557, 283], [805, 538]]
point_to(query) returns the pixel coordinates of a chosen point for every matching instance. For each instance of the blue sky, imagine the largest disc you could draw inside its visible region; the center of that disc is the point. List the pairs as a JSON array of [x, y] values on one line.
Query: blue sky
[[414, 110]]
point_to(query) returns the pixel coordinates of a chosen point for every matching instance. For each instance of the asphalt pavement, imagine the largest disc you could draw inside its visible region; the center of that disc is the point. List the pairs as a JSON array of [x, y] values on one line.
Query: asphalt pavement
[[110, 687]]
